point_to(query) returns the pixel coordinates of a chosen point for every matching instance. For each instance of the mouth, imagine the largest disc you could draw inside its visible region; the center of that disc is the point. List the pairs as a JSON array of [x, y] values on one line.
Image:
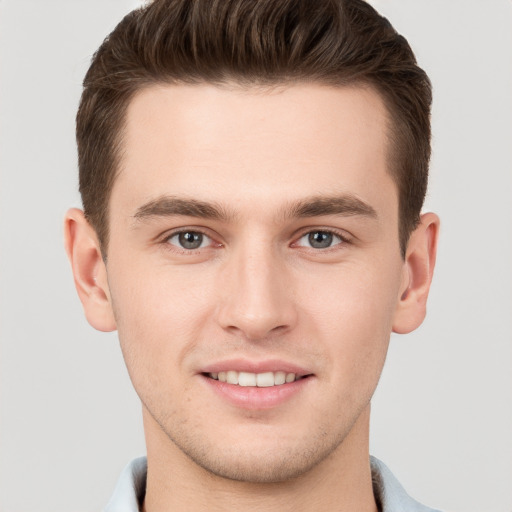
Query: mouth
[[257, 385], [259, 380]]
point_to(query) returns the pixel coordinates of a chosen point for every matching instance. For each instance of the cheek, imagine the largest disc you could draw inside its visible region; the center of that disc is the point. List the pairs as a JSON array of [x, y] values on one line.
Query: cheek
[[159, 317], [353, 313], [157, 300]]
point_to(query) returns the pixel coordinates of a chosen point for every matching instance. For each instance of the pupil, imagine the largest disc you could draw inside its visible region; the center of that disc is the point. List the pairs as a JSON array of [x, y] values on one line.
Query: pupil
[[190, 240], [320, 239]]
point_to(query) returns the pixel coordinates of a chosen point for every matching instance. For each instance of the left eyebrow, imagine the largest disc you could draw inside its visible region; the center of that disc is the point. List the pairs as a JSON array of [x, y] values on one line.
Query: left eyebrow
[[345, 205]]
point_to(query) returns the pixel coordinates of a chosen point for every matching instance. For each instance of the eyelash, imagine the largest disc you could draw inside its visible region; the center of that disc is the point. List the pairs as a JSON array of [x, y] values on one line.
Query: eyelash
[[344, 240], [182, 250]]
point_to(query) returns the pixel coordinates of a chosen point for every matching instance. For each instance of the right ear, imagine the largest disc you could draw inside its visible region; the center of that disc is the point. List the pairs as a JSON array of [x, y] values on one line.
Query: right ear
[[89, 270]]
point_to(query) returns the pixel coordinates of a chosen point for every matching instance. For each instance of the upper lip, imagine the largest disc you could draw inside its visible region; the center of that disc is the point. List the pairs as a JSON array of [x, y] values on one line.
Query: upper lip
[[245, 365]]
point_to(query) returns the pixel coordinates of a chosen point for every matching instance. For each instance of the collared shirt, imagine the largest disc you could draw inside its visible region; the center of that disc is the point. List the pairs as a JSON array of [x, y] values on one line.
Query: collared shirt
[[389, 494]]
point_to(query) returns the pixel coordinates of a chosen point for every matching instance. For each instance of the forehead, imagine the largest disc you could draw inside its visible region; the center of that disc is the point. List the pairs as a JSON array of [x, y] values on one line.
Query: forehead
[[234, 143]]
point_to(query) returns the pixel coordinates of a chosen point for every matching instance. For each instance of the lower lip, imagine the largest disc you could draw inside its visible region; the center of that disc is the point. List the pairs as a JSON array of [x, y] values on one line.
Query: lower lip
[[254, 398]]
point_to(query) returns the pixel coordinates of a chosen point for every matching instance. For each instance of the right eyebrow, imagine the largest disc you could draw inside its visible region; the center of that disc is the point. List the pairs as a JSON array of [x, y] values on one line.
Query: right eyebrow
[[167, 206]]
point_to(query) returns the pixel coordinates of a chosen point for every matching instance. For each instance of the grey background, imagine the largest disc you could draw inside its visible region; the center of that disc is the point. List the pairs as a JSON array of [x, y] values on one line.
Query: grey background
[[442, 416]]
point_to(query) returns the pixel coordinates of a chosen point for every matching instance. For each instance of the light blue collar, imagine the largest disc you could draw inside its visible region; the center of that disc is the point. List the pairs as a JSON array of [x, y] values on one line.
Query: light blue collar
[[389, 494]]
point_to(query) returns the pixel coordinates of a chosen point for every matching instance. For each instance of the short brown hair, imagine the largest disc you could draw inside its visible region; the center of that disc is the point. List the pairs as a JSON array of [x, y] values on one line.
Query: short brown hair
[[253, 42]]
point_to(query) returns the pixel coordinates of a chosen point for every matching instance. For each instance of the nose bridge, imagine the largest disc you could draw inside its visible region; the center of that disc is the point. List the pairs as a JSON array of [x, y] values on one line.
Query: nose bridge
[[257, 299]]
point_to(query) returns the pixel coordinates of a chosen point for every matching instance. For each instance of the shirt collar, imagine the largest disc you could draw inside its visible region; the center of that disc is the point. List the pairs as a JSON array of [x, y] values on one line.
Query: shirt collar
[[130, 488], [389, 494]]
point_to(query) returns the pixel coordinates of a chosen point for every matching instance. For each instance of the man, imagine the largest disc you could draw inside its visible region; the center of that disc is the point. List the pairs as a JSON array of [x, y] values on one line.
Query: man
[[252, 175]]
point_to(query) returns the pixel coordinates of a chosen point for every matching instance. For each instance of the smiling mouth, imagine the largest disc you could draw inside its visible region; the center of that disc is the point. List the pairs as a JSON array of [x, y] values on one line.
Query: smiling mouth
[[260, 380]]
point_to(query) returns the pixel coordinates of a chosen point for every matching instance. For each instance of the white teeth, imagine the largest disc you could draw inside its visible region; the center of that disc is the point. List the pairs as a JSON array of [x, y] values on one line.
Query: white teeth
[[279, 378], [265, 380], [247, 379], [232, 377], [261, 380]]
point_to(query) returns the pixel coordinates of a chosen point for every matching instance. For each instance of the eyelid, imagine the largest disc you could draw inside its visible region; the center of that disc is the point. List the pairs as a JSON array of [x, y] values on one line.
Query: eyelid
[[346, 238], [165, 237], [205, 241]]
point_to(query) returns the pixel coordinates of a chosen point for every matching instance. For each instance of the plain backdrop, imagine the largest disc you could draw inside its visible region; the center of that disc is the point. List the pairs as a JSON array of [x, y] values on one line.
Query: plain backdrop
[[442, 416]]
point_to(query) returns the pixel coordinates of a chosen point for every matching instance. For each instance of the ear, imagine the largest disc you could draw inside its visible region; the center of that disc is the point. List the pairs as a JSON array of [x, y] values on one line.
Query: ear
[[89, 271], [418, 269]]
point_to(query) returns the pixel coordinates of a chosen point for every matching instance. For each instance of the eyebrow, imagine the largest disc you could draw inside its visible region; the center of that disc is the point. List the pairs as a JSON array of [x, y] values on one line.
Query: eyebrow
[[345, 205], [167, 206]]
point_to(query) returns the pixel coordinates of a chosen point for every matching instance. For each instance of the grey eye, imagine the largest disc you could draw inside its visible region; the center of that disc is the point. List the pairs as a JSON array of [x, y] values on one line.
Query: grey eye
[[189, 240], [320, 239]]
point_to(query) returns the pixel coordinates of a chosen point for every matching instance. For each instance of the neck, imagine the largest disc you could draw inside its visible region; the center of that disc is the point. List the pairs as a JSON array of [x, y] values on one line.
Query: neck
[[341, 482]]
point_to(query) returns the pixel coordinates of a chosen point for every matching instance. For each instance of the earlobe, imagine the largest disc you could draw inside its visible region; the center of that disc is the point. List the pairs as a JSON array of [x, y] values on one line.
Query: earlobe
[[89, 271], [418, 270]]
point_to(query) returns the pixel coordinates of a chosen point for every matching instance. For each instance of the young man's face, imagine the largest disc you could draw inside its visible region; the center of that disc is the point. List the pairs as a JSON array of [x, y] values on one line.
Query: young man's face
[[255, 232]]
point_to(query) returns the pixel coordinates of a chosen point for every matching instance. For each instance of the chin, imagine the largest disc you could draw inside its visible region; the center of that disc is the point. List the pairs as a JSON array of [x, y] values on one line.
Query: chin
[[259, 469], [262, 461]]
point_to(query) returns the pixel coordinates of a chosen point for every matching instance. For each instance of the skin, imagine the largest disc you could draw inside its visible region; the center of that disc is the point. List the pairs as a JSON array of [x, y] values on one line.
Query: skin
[[256, 289]]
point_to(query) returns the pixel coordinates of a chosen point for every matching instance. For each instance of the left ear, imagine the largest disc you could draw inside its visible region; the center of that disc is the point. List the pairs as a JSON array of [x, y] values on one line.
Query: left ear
[[418, 269]]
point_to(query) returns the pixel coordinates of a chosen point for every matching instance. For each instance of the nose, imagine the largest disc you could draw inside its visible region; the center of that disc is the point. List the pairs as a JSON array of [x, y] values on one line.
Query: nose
[[257, 295]]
